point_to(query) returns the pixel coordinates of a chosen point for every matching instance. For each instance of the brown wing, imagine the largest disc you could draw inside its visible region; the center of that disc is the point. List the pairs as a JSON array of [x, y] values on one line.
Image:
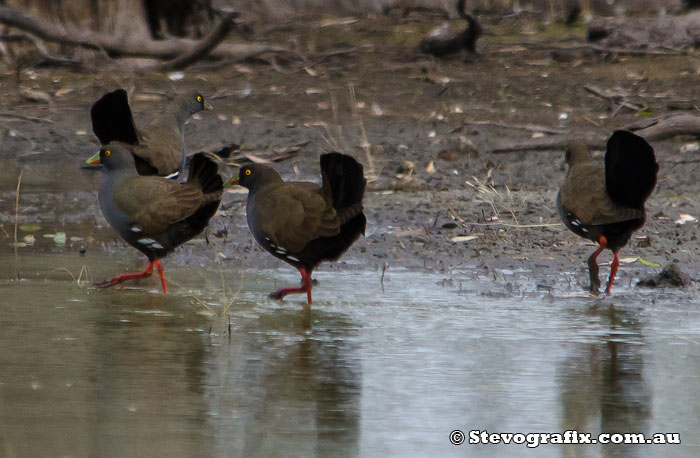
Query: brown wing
[[154, 203], [160, 144], [293, 214], [584, 194]]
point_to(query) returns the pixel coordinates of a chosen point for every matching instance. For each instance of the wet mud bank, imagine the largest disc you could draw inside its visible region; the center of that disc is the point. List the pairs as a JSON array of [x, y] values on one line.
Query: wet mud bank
[[425, 130]]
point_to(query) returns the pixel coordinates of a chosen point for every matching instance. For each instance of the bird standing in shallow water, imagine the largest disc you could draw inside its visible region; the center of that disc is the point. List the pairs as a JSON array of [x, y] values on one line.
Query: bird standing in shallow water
[[606, 204], [304, 223], [154, 214], [159, 147]]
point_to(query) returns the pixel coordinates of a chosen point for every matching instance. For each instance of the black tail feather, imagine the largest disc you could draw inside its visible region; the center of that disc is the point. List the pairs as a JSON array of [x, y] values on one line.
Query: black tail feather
[[344, 178], [630, 169], [205, 172], [112, 119]]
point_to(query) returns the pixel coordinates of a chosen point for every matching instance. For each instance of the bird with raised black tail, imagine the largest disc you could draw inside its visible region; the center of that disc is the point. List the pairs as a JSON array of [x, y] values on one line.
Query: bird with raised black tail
[[159, 147], [443, 42], [303, 223], [605, 204], [154, 214]]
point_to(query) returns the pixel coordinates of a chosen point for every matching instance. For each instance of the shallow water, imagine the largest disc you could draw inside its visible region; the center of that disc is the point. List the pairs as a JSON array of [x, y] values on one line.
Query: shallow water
[[371, 370]]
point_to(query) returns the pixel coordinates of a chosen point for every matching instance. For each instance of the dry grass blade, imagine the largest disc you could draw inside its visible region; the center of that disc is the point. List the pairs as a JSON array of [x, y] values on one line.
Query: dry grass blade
[[336, 139], [205, 305], [488, 194], [364, 142], [693, 341], [19, 183], [84, 272], [225, 299], [333, 139], [235, 296]]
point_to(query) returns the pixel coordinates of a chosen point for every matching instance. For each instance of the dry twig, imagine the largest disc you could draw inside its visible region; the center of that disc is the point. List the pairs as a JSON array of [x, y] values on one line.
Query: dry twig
[[615, 98], [529, 127]]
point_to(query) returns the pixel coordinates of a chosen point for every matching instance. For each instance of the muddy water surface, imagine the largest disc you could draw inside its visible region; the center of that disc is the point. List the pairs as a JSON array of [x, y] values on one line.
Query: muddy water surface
[[370, 370]]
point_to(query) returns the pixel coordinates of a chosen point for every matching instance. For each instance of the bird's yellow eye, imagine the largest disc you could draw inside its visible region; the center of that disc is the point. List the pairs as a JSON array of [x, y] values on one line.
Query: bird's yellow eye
[[107, 153], [199, 98], [247, 172]]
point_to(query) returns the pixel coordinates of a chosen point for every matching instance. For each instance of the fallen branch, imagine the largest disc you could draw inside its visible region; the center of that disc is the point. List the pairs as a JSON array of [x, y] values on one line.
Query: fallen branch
[[520, 226], [547, 143], [624, 51], [615, 98], [40, 47], [205, 46], [657, 129], [8, 114], [172, 48], [323, 56], [680, 105], [47, 56], [666, 51], [528, 127], [670, 126], [406, 10], [51, 32]]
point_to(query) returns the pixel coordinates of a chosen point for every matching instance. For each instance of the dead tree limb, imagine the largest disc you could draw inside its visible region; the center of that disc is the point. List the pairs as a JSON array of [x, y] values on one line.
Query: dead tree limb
[[671, 126], [324, 56], [40, 47], [553, 142], [117, 47], [653, 130], [626, 51], [51, 32], [11, 115], [46, 55], [618, 50], [204, 46]]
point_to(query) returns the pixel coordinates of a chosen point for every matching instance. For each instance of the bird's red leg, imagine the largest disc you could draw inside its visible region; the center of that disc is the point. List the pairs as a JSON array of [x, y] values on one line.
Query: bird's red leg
[[307, 282], [305, 287], [593, 265], [120, 279], [161, 275], [613, 271]]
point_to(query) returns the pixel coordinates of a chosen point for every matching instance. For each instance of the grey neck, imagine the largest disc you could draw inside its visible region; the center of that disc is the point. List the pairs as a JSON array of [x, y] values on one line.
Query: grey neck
[[183, 109]]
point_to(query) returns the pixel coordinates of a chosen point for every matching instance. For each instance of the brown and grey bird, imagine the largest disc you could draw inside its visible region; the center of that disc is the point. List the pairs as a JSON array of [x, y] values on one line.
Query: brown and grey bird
[[158, 147], [605, 204], [443, 41], [154, 214], [304, 223]]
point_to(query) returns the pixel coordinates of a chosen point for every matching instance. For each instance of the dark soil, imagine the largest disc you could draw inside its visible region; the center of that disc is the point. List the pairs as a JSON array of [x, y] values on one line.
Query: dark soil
[[410, 119]]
